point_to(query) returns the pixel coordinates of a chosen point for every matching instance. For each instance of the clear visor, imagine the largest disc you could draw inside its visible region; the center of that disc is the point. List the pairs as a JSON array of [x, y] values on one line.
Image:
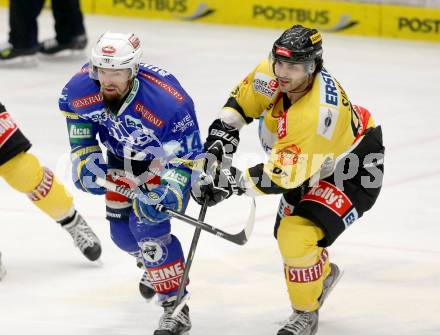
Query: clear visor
[[308, 66]]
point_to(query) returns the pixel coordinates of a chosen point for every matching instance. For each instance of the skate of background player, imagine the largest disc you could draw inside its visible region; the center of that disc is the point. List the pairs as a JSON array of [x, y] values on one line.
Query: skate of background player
[[390, 257]]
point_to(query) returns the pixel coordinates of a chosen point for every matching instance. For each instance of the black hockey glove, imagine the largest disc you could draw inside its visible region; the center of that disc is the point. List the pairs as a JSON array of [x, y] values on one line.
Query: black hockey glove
[[226, 182], [222, 140]]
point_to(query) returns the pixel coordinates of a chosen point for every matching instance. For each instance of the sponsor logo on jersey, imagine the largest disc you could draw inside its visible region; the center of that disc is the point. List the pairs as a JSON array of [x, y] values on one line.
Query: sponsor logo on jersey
[[183, 124], [155, 69], [131, 121], [285, 209], [154, 251], [42, 189], [166, 278], [350, 217], [99, 116], [80, 131], [267, 138], [164, 86], [108, 50], [7, 127], [306, 274], [329, 92], [328, 119], [265, 85], [330, 196], [282, 126], [87, 101], [148, 115], [63, 95], [288, 155], [180, 177]]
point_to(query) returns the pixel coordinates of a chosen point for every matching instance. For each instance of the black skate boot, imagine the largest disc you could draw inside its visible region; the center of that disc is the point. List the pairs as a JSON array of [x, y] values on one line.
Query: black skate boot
[[169, 325], [301, 323], [13, 56], [145, 287], [52, 46], [83, 236]]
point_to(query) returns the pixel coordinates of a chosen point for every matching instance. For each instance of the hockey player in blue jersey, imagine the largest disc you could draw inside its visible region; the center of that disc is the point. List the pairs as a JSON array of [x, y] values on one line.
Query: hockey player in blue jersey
[[143, 117]]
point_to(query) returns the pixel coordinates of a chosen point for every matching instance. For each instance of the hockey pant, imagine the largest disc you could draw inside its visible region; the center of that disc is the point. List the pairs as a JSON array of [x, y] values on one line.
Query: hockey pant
[[311, 218], [305, 264], [162, 252]]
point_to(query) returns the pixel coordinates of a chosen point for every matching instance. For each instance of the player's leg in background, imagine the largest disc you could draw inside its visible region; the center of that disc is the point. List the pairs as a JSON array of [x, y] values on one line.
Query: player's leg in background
[[25, 174], [69, 28], [23, 35]]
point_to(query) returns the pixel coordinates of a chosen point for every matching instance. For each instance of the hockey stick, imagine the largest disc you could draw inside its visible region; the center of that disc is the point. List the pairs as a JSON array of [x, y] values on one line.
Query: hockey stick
[[240, 238], [178, 306]]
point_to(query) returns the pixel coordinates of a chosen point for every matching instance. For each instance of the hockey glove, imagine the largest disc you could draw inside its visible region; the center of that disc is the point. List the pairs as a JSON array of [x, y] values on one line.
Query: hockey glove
[[88, 164], [174, 184], [226, 182], [222, 140], [168, 196]]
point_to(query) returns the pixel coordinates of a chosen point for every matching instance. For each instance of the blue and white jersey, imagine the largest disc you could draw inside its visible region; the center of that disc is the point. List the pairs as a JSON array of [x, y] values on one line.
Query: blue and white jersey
[[156, 120]]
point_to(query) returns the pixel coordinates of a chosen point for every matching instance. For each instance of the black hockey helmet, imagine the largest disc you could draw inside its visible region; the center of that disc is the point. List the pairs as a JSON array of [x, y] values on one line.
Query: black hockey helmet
[[298, 44]]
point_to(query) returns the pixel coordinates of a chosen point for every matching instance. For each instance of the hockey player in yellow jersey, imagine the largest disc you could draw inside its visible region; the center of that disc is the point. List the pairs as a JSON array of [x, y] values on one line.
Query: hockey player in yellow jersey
[[23, 172], [325, 156]]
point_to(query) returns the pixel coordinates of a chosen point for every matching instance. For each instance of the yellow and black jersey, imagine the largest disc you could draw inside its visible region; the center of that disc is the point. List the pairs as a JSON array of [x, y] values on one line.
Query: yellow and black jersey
[[12, 140], [299, 138]]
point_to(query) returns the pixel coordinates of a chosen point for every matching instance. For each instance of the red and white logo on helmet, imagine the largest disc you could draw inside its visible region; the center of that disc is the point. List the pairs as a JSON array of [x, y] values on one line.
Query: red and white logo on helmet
[[108, 50], [134, 40], [283, 52]]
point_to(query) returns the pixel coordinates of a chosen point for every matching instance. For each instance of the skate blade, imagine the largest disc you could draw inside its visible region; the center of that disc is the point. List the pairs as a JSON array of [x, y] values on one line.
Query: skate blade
[[64, 55], [331, 287], [21, 62], [98, 263]]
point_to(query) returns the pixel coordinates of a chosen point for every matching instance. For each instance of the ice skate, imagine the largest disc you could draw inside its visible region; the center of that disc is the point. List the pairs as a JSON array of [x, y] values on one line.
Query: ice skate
[[177, 325], [145, 287], [10, 56], [83, 237], [301, 323], [330, 282], [51, 47]]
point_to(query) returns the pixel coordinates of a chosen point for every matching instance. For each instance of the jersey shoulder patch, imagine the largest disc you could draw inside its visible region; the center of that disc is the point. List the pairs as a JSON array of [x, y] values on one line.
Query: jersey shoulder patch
[[265, 84], [328, 118]]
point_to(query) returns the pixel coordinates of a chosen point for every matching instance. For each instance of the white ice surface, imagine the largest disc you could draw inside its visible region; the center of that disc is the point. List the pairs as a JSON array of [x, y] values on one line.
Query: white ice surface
[[391, 257]]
